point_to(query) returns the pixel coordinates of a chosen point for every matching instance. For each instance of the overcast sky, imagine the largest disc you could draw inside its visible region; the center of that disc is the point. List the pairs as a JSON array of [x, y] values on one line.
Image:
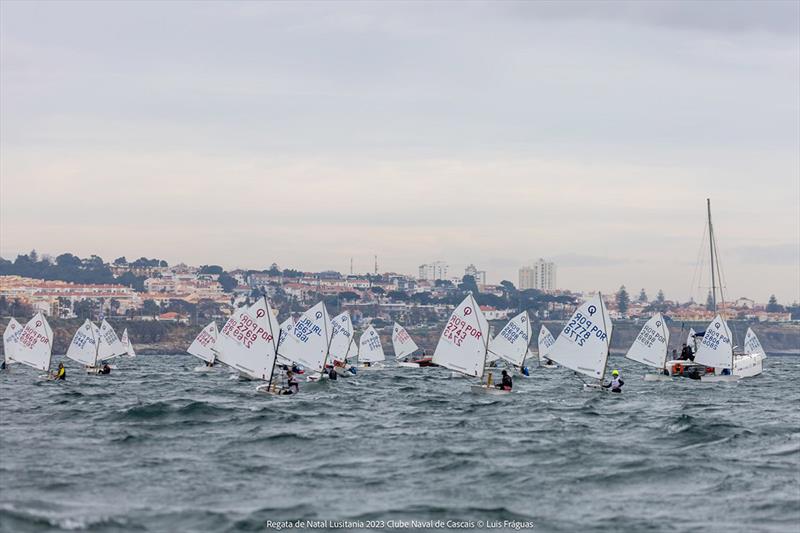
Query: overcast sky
[[487, 133]]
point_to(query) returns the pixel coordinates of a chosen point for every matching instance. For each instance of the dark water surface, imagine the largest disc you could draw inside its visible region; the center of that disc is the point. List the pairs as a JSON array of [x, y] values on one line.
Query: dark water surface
[[158, 447]]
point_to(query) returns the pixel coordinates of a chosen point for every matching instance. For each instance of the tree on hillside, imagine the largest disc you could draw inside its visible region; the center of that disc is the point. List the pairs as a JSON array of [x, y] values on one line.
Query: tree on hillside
[[468, 285], [150, 308], [377, 290], [120, 261], [211, 269], [660, 299], [83, 309], [348, 296], [228, 282], [642, 297], [623, 300], [773, 306]]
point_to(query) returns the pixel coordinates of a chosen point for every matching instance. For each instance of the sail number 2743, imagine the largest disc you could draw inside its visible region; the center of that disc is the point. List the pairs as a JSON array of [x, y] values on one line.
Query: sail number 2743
[[581, 329]]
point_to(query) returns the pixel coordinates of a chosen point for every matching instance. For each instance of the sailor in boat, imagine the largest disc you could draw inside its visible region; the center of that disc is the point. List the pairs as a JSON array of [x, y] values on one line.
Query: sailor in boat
[[674, 354], [525, 371], [209, 364], [332, 374], [616, 382], [292, 386], [686, 353], [61, 373], [105, 369], [506, 384]]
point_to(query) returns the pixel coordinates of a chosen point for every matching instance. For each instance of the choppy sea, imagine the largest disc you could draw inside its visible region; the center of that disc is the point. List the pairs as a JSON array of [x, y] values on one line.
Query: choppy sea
[[156, 446]]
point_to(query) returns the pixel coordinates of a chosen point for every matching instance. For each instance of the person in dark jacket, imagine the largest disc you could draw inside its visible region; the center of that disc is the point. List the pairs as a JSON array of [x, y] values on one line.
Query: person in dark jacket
[[506, 383]]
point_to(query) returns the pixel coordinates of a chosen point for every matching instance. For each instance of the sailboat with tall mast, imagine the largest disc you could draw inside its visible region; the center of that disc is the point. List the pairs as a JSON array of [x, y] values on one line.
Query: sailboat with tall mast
[[583, 344], [715, 358], [404, 348]]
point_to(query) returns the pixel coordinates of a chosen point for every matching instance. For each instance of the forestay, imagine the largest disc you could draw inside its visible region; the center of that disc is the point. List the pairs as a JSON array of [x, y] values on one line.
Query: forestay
[[582, 345], [341, 337], [309, 340], [83, 348], [545, 343], [127, 344], [109, 344], [716, 349], [752, 346], [511, 344], [650, 346], [464, 342], [203, 345], [248, 343], [11, 337], [402, 342], [34, 347], [369, 347]]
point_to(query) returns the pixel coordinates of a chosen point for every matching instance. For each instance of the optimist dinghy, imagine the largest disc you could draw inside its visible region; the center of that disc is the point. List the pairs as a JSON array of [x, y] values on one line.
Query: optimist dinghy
[[464, 344], [582, 345]]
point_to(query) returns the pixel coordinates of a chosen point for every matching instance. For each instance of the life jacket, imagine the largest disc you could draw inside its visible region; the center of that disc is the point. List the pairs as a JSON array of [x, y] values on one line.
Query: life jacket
[[62, 373]]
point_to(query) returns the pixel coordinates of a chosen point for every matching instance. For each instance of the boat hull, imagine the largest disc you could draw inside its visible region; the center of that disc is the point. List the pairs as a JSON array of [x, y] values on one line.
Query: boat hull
[[485, 389]]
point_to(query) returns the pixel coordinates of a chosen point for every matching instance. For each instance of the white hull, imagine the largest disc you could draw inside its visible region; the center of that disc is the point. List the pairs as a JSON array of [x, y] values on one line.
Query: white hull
[[404, 364], [657, 377], [203, 368], [344, 372], [456, 375], [744, 366], [592, 387], [376, 366], [548, 367], [484, 389], [747, 366], [93, 370]]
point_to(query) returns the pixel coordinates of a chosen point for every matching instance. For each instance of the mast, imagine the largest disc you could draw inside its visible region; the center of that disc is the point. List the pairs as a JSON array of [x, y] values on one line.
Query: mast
[[274, 342], [608, 337], [711, 251]]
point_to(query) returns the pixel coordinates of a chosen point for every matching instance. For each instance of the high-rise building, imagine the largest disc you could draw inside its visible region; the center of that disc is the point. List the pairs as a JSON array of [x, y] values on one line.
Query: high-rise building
[[433, 271], [541, 276], [479, 275]]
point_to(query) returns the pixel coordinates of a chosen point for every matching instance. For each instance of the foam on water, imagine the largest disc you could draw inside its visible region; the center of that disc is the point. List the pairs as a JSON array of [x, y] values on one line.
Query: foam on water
[[156, 446]]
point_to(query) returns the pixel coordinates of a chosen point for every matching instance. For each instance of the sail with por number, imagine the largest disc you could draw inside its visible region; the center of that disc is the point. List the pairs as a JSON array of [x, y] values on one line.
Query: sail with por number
[[511, 344], [583, 343], [650, 345], [464, 342]]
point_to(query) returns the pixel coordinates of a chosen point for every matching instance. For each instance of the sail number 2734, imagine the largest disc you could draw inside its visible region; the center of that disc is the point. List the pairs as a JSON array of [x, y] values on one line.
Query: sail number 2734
[[581, 329]]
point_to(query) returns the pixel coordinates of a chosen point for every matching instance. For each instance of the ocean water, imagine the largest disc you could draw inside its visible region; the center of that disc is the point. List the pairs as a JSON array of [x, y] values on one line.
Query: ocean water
[[158, 447]]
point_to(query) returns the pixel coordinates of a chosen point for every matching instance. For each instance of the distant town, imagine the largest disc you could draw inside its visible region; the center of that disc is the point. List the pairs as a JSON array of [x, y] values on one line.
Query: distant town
[[67, 286]]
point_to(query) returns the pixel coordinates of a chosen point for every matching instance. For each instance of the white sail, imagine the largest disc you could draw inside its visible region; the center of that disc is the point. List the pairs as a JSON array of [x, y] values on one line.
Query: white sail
[[248, 342], [752, 345], [402, 342], [691, 340], [203, 345], [511, 344], [650, 346], [11, 337], [309, 340], [83, 347], [582, 345], [716, 349], [369, 347], [110, 345], [126, 342], [341, 337], [463, 344], [34, 347], [545, 342], [286, 327]]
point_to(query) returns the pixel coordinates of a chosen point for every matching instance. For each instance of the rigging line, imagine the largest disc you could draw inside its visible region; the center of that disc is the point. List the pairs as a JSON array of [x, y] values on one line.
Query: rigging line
[[699, 266]]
